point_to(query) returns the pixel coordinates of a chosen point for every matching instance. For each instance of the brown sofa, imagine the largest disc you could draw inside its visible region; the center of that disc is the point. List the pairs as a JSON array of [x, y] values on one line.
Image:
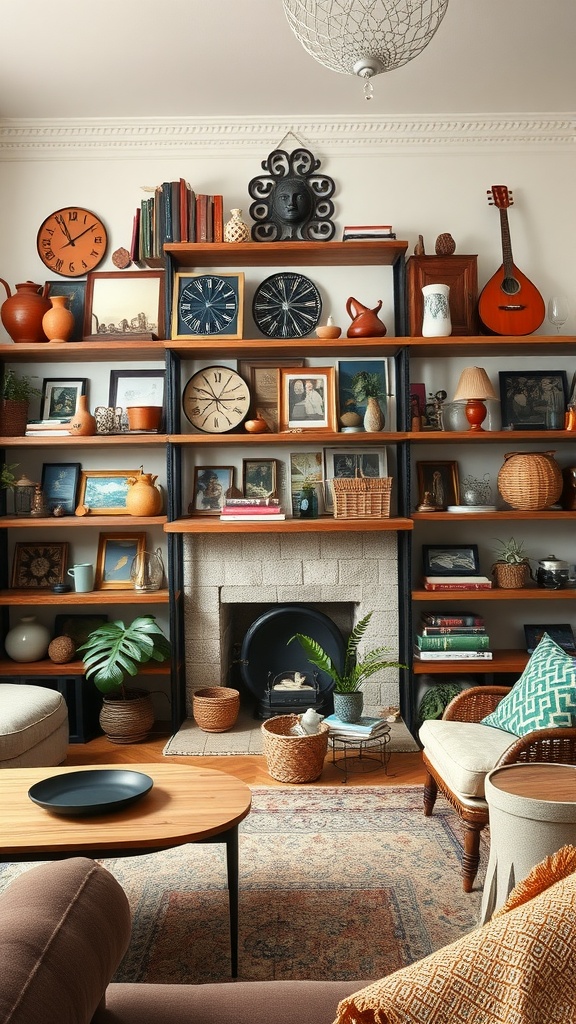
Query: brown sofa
[[64, 928]]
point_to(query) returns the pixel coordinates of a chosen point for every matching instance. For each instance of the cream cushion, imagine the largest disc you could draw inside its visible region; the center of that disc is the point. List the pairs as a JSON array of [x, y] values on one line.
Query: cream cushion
[[33, 726], [464, 752]]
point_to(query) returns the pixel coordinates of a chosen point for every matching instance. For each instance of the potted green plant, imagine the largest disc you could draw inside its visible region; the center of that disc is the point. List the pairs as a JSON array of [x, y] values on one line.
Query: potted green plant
[[369, 388], [512, 570], [16, 394], [112, 652], [348, 696]]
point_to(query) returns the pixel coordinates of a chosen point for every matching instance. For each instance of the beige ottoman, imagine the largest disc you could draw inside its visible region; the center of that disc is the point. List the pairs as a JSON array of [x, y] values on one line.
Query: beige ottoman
[[33, 726]]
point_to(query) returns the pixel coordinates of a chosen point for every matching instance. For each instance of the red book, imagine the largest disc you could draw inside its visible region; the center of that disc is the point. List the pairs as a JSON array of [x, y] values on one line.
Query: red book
[[457, 583], [250, 510], [218, 209], [201, 217]]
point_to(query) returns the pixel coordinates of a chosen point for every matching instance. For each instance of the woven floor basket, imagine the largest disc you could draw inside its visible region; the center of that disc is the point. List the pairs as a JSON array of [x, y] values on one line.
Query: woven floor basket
[[361, 498], [530, 480], [293, 758], [216, 708]]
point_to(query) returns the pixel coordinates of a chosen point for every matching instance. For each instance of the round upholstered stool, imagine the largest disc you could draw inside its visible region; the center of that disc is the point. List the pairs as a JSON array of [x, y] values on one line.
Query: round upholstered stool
[[33, 726], [532, 810]]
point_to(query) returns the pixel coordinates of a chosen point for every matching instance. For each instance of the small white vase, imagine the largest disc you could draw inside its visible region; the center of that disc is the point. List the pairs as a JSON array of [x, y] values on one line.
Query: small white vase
[[235, 230], [436, 322], [28, 640]]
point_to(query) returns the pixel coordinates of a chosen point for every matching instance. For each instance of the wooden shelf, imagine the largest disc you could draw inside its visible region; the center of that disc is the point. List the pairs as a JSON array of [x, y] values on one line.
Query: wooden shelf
[[95, 441], [496, 594], [85, 352], [502, 661], [311, 436], [286, 254], [117, 522], [505, 513], [509, 437], [69, 668], [268, 348], [100, 597], [324, 524], [491, 345]]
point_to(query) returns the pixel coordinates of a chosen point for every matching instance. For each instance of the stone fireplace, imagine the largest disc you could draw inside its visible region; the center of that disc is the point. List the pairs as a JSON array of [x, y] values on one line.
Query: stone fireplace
[[230, 579]]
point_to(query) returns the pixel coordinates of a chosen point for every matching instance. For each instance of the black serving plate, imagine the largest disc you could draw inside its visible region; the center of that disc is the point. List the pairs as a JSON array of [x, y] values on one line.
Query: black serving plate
[[90, 792]]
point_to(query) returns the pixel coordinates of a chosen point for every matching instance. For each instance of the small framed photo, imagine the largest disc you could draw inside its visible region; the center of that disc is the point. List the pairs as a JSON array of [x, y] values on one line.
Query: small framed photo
[[305, 468], [307, 399], [60, 485], [75, 292], [533, 400], [77, 627], [450, 559], [103, 492], [263, 379], [60, 396], [352, 462], [136, 387], [210, 486], [38, 566], [260, 478], [116, 552], [438, 480], [125, 304], [208, 305], [348, 376], [562, 633]]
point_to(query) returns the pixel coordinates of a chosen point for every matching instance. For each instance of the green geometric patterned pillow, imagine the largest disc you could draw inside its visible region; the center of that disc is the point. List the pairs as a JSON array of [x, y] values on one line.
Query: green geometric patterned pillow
[[544, 696]]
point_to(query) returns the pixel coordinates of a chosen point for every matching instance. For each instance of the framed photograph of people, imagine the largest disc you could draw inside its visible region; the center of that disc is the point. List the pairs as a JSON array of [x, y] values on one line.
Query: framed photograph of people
[[260, 478], [350, 372], [263, 379], [210, 486], [75, 292], [450, 559], [103, 492], [38, 565], [116, 552], [307, 398], [59, 484], [352, 462], [438, 483], [533, 399], [124, 304], [60, 396]]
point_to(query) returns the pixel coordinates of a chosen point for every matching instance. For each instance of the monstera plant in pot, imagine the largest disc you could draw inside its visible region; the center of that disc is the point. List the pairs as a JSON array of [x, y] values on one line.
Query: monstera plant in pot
[[347, 693], [112, 652]]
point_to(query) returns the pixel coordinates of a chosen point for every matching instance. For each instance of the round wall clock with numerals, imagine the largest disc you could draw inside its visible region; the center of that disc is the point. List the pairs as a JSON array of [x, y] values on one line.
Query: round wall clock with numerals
[[72, 241], [216, 399], [287, 305], [208, 306]]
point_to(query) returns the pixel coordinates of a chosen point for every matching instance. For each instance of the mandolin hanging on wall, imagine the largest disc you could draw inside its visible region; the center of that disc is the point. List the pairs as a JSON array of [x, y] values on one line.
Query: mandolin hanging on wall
[[509, 303]]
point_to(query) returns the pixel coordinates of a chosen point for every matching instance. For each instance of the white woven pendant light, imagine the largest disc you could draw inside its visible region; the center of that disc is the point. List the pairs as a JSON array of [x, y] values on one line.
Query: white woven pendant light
[[364, 37]]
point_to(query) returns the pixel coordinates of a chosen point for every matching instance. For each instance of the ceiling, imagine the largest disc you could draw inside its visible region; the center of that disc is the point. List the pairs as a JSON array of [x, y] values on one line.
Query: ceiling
[[215, 58]]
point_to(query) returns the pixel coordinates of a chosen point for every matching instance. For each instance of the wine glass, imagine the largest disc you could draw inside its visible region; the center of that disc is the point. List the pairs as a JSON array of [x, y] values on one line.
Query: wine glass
[[558, 311]]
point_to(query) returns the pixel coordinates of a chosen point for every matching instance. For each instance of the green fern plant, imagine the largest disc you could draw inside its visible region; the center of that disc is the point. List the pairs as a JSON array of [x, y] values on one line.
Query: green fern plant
[[114, 651], [355, 672]]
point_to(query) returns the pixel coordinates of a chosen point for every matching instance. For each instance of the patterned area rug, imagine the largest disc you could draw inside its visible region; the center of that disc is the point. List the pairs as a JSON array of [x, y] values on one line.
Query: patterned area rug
[[335, 883]]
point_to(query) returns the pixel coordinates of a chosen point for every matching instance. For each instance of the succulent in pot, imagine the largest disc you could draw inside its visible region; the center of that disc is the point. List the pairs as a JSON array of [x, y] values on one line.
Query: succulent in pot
[[512, 569]]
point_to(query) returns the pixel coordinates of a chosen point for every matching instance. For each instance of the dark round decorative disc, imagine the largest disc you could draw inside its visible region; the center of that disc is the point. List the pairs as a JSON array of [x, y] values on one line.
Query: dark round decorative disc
[[287, 305]]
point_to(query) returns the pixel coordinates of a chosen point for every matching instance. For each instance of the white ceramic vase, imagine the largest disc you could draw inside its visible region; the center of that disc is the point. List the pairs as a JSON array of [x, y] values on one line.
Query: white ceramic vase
[[28, 640], [436, 322]]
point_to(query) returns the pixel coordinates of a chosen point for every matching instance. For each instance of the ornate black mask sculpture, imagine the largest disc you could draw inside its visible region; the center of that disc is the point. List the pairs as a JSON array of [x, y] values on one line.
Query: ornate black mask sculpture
[[292, 201]]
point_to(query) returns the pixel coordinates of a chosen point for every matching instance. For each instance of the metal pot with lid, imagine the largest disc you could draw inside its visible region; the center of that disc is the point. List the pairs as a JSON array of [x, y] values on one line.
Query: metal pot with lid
[[552, 573]]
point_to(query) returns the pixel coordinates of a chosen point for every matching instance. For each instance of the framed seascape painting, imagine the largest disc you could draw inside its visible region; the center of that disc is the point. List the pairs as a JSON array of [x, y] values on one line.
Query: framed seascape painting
[[103, 492], [60, 485]]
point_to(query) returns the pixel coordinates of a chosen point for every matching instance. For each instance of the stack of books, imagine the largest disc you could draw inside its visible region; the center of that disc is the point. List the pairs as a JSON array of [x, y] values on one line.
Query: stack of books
[[367, 231], [174, 213], [452, 637], [252, 509], [457, 583], [365, 728], [47, 428]]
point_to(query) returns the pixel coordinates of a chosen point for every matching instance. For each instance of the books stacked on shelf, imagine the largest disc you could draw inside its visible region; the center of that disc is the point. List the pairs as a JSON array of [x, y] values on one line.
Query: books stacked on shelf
[[450, 620], [457, 583], [252, 509], [366, 728], [457, 637], [47, 428], [356, 232], [174, 212]]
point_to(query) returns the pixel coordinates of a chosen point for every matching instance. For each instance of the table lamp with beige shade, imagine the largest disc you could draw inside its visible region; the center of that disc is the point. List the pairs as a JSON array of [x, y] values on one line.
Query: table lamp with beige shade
[[475, 387]]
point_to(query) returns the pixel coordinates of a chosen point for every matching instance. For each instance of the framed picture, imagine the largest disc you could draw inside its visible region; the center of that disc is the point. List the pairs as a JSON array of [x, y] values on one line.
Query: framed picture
[[352, 462], [347, 371], [440, 481], [305, 468], [77, 627], [60, 395], [208, 305], [136, 387], [307, 399], [533, 400], [263, 379], [75, 292], [210, 486], [59, 484], [260, 478], [39, 566], [103, 492], [116, 552], [450, 559], [125, 304], [562, 633]]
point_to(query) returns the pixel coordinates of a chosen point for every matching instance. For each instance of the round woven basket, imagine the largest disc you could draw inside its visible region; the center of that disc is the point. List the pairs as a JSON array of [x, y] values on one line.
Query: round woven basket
[[530, 480], [216, 708], [130, 720], [293, 758], [510, 575]]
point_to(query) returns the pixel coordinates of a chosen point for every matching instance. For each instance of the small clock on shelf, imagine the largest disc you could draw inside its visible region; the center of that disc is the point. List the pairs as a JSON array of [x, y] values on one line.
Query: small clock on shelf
[[216, 399], [72, 241], [287, 305], [208, 306]]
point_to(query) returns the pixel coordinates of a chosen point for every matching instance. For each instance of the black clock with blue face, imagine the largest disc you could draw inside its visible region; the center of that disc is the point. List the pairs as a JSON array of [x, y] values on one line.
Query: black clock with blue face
[[287, 305], [208, 306]]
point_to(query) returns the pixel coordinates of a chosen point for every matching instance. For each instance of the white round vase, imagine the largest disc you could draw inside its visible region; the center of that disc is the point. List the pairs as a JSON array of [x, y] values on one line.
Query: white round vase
[[436, 322], [28, 640]]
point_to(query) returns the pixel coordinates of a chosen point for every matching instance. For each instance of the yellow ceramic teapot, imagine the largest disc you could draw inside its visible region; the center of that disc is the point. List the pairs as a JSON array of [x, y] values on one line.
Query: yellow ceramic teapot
[[144, 496]]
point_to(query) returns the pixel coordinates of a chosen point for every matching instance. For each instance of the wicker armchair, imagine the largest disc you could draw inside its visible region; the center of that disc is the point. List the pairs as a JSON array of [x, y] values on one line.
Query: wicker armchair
[[457, 761]]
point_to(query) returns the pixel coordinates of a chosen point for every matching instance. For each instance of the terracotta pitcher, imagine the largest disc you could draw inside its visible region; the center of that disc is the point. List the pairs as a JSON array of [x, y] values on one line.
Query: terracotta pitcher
[[143, 498], [22, 312], [365, 322]]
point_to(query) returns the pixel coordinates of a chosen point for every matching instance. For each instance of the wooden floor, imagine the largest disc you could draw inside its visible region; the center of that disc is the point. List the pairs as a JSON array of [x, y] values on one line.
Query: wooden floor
[[403, 769]]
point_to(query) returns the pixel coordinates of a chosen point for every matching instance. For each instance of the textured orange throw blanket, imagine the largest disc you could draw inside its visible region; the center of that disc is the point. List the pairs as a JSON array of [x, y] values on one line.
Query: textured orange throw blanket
[[519, 968]]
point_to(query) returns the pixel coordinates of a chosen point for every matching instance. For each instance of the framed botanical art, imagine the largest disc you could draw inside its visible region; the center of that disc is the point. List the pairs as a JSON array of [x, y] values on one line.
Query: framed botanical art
[[307, 399], [450, 559], [210, 486], [60, 484], [60, 397], [440, 481], [263, 379], [103, 492], [260, 478], [125, 304], [39, 565], [208, 305], [116, 552]]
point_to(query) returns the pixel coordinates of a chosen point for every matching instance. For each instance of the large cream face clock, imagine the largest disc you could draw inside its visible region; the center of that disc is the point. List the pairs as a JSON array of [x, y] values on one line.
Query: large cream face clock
[[216, 399], [72, 241]]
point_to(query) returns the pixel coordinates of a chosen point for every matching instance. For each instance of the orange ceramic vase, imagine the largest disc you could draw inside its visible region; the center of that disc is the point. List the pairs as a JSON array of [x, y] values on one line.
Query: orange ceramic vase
[[58, 322], [143, 498], [22, 312], [83, 423]]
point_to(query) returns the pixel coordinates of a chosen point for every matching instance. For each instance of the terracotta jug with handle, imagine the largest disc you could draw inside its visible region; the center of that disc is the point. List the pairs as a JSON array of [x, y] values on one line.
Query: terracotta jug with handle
[[365, 322], [22, 312], [143, 498]]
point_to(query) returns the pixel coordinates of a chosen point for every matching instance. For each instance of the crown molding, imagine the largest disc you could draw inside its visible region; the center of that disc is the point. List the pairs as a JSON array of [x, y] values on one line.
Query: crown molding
[[120, 138]]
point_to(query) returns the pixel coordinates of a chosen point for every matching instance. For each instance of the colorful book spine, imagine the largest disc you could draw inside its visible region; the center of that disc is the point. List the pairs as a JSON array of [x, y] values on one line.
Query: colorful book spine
[[239, 502], [453, 643], [458, 619], [229, 518], [253, 510], [218, 217], [428, 585], [452, 655]]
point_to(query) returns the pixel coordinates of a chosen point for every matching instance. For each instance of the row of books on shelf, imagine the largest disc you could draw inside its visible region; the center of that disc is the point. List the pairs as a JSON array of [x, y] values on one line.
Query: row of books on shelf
[[458, 636], [175, 213], [252, 510]]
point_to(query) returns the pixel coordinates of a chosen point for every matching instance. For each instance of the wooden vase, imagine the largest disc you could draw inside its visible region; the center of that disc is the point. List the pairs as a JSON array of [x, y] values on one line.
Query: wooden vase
[[83, 423], [58, 322]]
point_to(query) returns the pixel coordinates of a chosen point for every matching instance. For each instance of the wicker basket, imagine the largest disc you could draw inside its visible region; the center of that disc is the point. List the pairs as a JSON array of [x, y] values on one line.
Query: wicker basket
[[293, 758], [362, 498], [530, 480], [216, 708], [511, 575]]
